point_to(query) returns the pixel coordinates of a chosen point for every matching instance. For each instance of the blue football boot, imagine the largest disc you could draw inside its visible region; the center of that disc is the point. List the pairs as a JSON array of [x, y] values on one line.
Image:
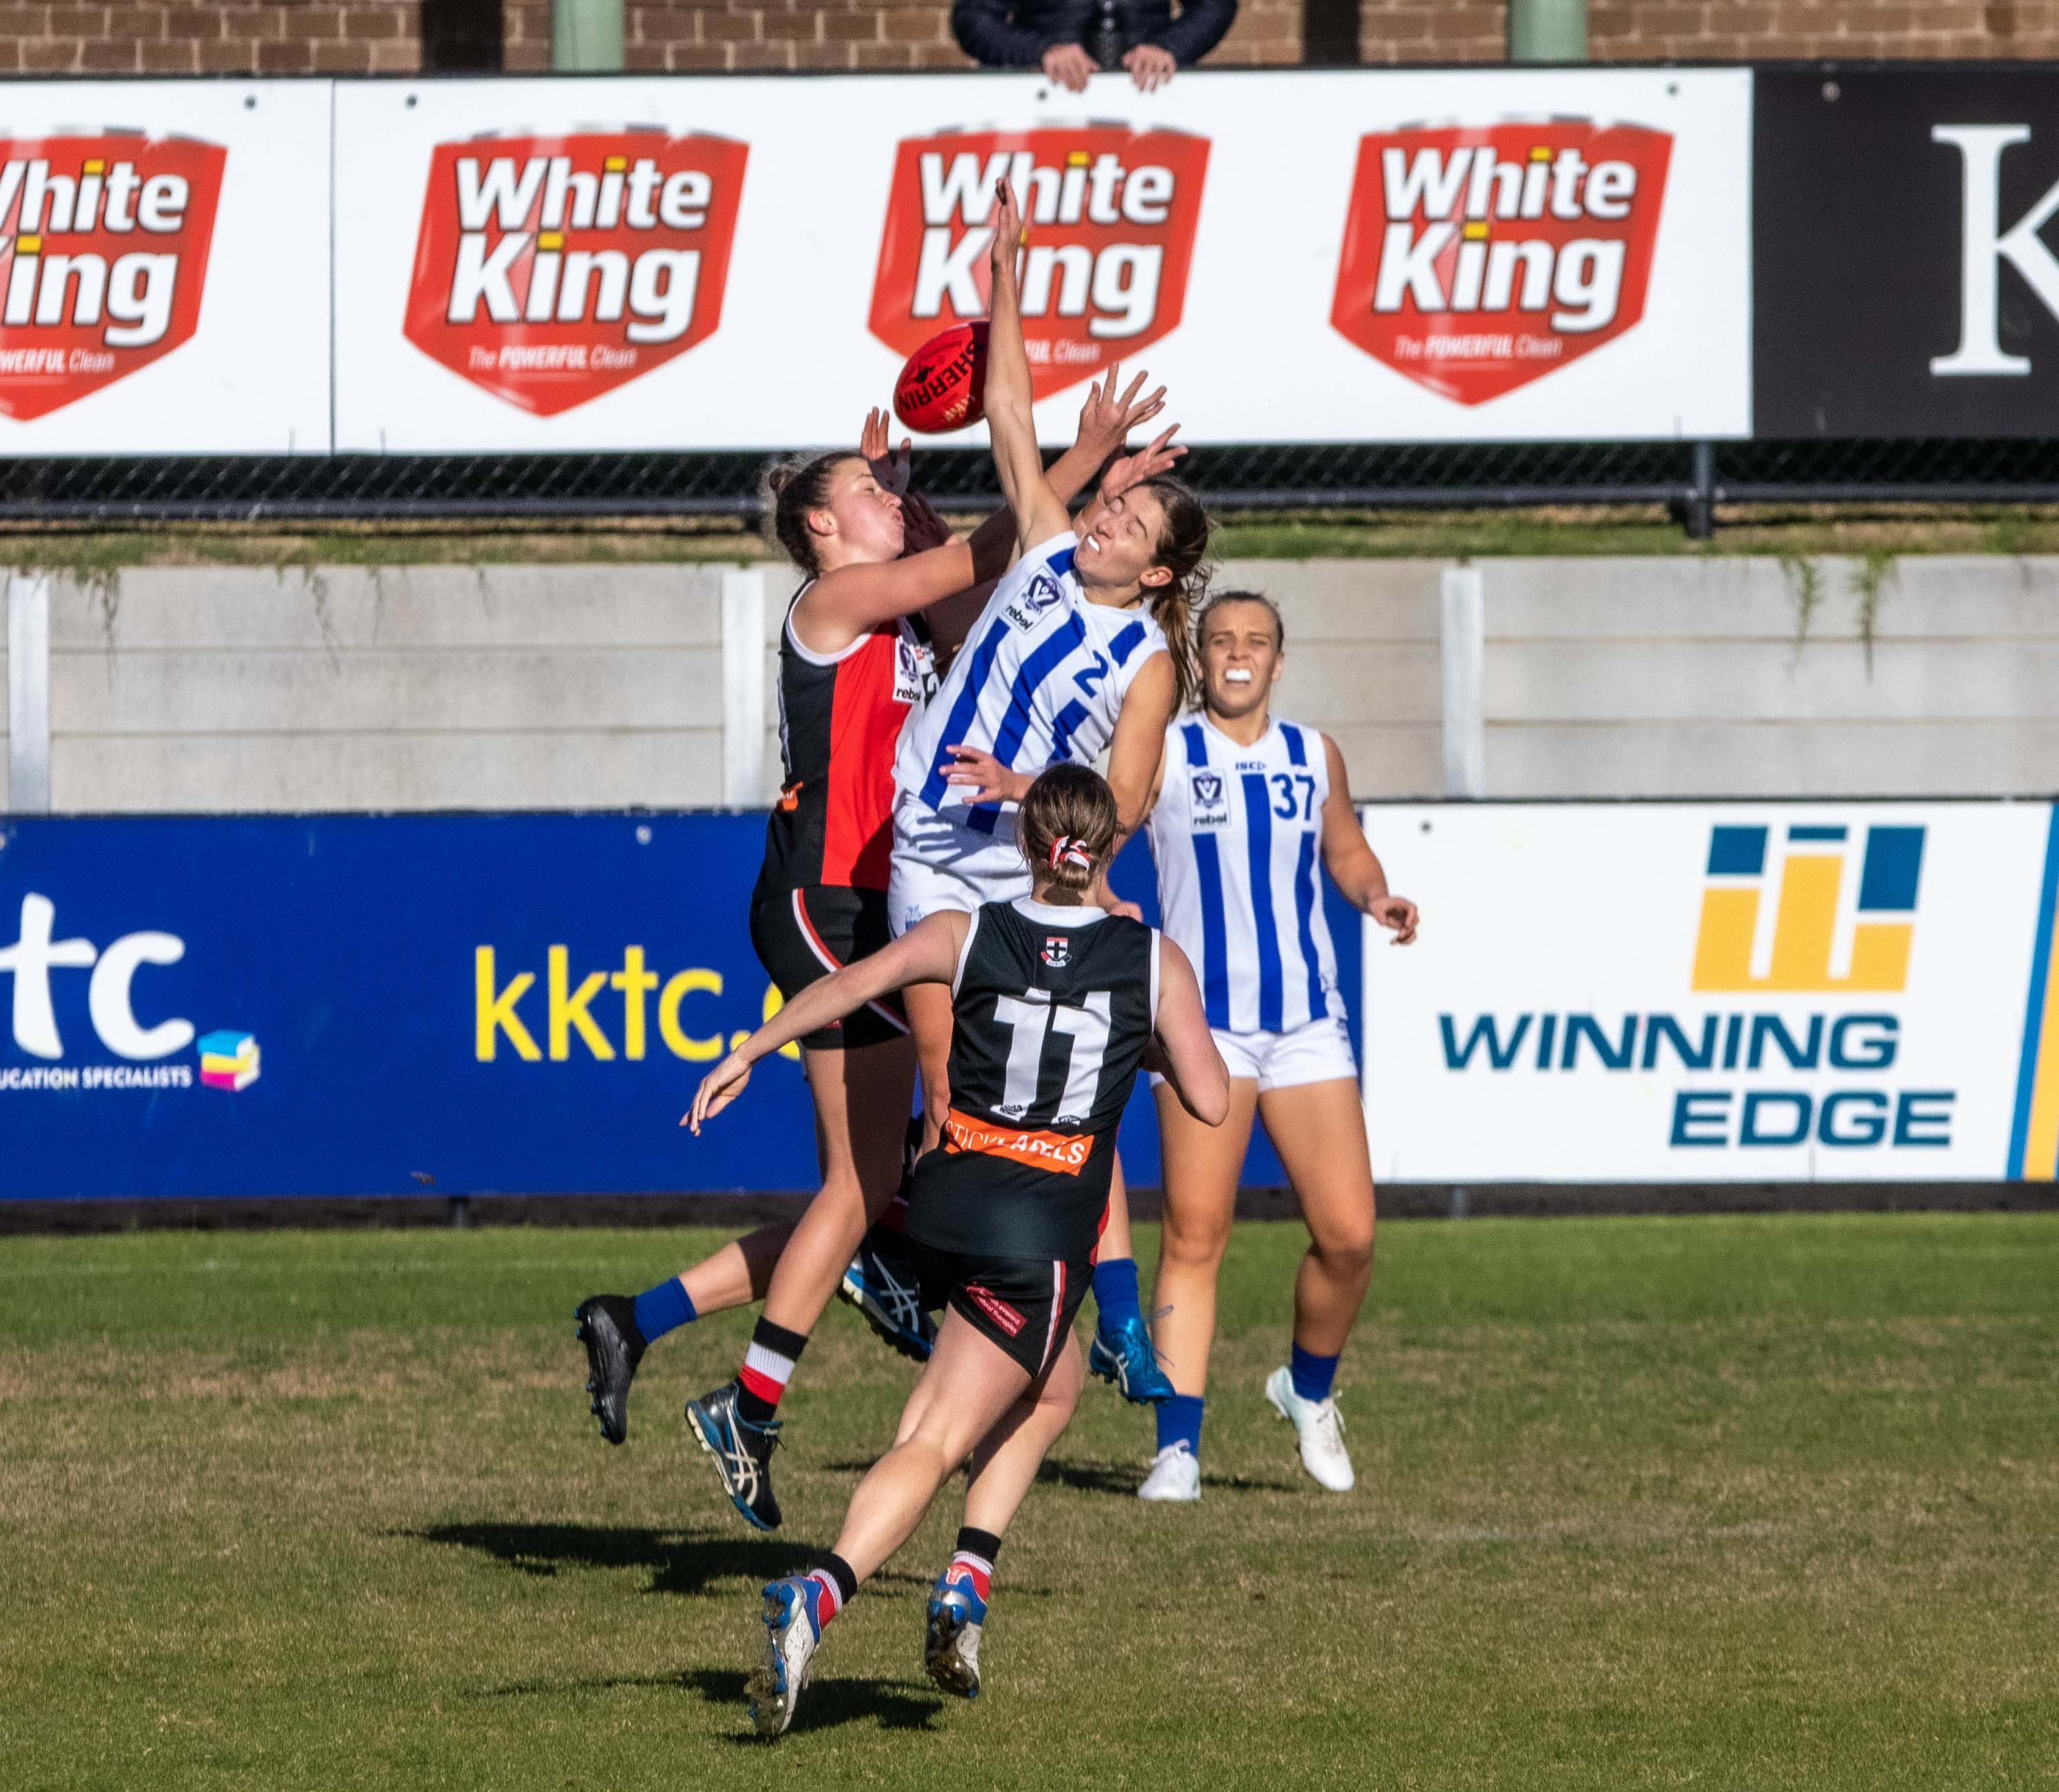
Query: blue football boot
[[794, 1627], [950, 1648], [742, 1454], [1122, 1353], [882, 1284]]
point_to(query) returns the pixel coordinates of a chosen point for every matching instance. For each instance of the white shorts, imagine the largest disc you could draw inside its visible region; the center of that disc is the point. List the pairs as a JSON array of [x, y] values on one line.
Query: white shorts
[[938, 863], [1319, 1052]]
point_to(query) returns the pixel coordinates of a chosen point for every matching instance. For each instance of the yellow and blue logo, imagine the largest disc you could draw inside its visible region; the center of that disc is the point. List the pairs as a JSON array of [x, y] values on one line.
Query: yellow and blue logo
[[2033, 1140], [1805, 922]]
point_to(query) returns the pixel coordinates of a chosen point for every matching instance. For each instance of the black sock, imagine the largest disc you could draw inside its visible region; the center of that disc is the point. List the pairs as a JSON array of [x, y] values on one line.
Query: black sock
[[767, 1366], [840, 1571], [982, 1543]]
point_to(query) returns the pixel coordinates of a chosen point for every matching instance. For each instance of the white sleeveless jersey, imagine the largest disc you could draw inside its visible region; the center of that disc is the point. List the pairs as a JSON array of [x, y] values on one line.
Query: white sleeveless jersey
[[1040, 681], [1237, 835]]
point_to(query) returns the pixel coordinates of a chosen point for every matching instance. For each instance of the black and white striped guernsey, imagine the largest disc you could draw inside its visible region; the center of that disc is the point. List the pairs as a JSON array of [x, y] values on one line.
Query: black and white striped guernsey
[[1053, 1009]]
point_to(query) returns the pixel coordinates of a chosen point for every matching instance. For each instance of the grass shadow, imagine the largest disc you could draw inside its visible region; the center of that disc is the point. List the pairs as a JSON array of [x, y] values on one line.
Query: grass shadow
[[826, 1704], [680, 1562]]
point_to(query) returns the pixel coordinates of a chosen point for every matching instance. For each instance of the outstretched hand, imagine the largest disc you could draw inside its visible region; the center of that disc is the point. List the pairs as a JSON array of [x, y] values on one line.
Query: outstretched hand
[[1009, 235], [1160, 455], [889, 466], [992, 781], [718, 1089], [1106, 421]]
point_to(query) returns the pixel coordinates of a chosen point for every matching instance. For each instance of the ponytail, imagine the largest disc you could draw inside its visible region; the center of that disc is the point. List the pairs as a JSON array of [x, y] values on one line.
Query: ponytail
[[1183, 547], [1067, 825]]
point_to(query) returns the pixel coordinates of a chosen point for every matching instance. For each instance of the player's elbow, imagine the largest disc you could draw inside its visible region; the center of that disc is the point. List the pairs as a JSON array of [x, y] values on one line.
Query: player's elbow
[[1208, 1099]]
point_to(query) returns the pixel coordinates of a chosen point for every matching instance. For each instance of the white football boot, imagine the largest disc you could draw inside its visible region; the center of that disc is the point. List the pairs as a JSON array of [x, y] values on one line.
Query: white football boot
[[1320, 1428], [1175, 1474]]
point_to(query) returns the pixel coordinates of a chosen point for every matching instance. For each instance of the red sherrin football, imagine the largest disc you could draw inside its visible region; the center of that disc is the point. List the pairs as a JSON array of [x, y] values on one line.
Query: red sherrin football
[[943, 386]]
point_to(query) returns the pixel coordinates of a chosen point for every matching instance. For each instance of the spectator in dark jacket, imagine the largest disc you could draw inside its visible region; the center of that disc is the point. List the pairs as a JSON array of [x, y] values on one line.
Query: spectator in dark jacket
[[1069, 39]]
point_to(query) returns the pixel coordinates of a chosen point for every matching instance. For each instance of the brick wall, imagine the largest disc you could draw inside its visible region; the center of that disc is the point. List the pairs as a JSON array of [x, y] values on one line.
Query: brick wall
[[303, 37]]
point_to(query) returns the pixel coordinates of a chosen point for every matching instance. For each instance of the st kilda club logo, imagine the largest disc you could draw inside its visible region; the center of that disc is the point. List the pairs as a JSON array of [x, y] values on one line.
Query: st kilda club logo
[[103, 254], [1111, 213], [1478, 258], [551, 269]]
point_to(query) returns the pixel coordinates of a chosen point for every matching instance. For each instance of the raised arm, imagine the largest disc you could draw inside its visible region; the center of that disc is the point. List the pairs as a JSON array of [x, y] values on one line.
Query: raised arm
[[1039, 513], [928, 952], [1353, 865], [1183, 1051]]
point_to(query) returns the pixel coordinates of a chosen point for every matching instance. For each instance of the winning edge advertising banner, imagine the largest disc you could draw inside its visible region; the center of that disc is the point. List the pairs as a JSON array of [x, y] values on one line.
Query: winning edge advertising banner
[[353, 1005], [745, 262]]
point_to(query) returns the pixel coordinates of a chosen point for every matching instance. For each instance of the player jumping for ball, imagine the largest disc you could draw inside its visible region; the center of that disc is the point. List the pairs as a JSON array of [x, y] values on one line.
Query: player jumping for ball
[[854, 658], [1083, 647], [1246, 806], [1056, 1004]]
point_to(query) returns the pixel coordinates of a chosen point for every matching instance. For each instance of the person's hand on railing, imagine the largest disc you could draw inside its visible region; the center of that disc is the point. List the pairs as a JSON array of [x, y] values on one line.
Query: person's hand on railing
[[1068, 66]]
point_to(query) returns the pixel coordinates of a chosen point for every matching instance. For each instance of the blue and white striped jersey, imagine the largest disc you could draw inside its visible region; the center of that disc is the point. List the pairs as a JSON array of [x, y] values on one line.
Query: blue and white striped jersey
[[1237, 835], [1040, 681]]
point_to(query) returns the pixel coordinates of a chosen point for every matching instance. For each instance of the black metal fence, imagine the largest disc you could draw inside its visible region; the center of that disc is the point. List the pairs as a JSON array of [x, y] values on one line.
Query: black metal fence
[[1692, 477]]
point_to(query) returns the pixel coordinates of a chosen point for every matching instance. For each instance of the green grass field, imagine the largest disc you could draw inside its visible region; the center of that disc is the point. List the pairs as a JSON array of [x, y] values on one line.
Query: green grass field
[[1722, 1502]]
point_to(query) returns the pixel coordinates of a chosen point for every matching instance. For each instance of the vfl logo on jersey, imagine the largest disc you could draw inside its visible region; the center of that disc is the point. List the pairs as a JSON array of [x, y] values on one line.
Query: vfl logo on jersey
[[551, 269], [1112, 212], [1478, 258], [1057, 951], [103, 253], [1028, 608], [1813, 920], [1209, 800]]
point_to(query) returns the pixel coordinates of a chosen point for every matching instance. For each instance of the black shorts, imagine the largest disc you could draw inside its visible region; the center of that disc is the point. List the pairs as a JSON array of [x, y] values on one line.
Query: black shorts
[[1026, 1305], [803, 935]]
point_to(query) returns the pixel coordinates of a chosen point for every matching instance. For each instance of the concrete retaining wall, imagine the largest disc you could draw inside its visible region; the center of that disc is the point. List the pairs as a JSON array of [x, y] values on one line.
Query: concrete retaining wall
[[566, 687]]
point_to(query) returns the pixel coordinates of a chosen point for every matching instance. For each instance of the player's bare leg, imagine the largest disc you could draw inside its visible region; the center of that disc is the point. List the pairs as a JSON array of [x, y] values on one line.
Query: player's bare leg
[[1318, 1130], [1004, 1469], [1201, 1166], [861, 1098]]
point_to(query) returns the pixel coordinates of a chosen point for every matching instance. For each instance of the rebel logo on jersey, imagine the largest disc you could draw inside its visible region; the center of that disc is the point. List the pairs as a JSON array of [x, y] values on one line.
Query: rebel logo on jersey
[[552, 270], [1111, 213], [1478, 258], [103, 254]]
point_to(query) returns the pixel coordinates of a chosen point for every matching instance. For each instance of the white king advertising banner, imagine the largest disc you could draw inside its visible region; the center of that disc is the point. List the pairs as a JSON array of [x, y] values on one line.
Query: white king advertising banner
[[1760, 992]]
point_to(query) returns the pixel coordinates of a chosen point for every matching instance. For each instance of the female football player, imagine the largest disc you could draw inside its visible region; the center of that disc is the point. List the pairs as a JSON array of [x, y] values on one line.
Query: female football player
[[1084, 645], [1245, 806], [854, 661], [1056, 1004]]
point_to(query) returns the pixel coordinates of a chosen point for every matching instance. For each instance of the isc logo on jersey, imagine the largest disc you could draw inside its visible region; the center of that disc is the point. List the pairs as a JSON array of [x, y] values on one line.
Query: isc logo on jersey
[[552, 270], [1477, 259], [103, 253], [1112, 213]]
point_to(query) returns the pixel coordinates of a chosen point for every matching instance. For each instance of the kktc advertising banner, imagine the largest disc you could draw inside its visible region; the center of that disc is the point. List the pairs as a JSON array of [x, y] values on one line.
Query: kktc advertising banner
[[745, 262], [345, 1005], [1770, 992], [164, 273]]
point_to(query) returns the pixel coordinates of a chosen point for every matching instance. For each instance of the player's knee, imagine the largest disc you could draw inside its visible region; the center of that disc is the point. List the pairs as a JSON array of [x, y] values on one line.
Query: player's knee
[[1347, 1249], [1194, 1244]]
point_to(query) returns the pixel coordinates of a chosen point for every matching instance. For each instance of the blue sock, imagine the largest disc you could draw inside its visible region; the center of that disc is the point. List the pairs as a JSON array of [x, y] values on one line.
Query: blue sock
[[662, 1309], [1180, 1422], [1313, 1373], [1115, 1292]]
